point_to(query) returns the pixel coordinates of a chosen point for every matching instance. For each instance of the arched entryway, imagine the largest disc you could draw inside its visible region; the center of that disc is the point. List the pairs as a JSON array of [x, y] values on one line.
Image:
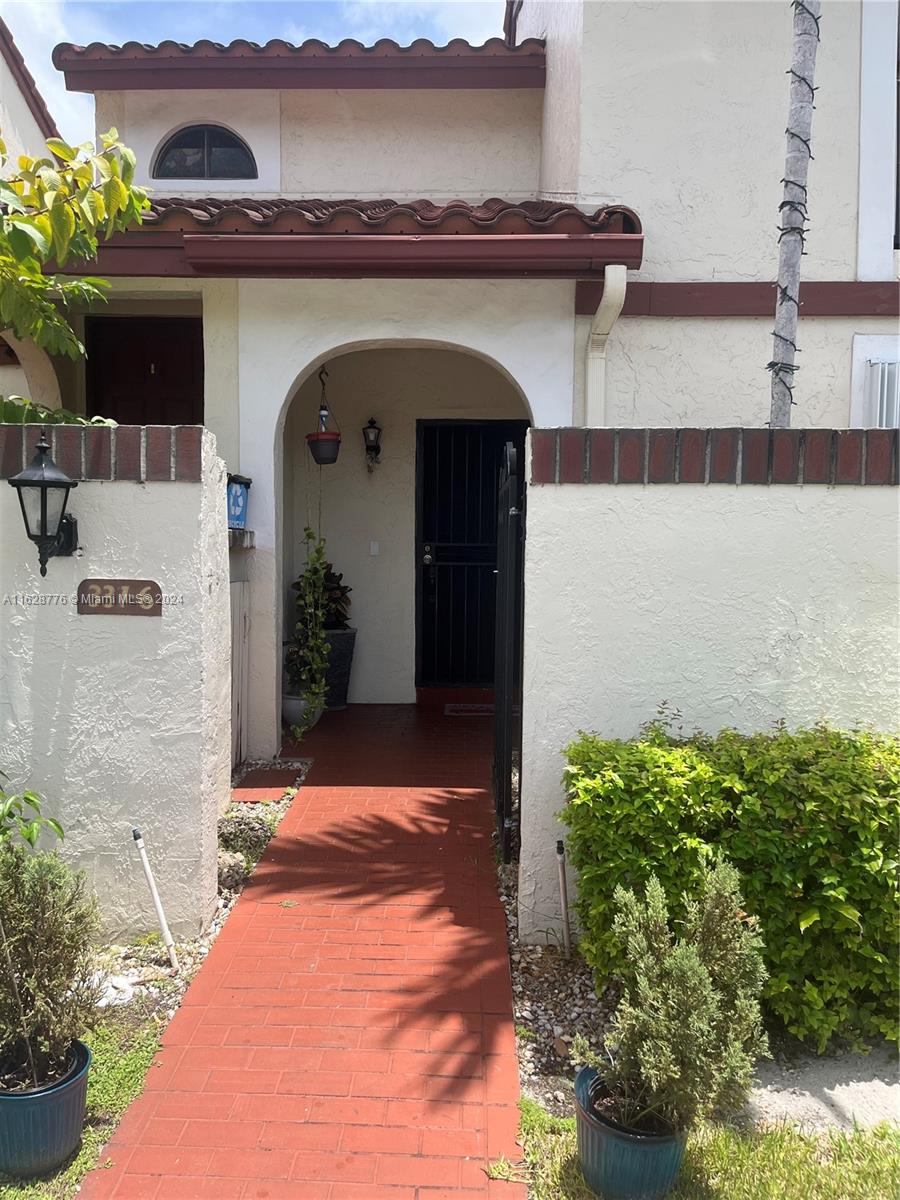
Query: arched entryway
[[445, 416]]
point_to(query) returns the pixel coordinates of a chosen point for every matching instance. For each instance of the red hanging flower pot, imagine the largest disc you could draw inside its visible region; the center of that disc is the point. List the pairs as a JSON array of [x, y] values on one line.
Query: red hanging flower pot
[[324, 446], [325, 443]]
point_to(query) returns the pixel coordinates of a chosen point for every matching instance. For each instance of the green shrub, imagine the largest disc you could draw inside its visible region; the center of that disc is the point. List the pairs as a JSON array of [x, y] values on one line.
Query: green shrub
[[688, 1030], [808, 819], [49, 985]]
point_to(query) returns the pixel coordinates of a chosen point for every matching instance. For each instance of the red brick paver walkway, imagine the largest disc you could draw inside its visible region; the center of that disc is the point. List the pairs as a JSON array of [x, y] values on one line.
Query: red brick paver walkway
[[350, 1035]]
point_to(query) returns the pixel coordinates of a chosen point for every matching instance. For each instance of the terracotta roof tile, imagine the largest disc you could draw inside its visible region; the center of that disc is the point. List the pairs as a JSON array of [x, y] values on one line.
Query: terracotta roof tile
[[312, 64], [386, 216], [67, 52]]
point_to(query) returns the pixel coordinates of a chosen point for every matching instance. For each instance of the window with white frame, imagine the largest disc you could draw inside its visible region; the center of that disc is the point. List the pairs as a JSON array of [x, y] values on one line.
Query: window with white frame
[[875, 383], [878, 121]]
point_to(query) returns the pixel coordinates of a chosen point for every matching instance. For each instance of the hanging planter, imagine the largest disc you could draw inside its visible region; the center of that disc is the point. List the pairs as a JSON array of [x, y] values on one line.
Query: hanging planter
[[325, 443], [324, 446]]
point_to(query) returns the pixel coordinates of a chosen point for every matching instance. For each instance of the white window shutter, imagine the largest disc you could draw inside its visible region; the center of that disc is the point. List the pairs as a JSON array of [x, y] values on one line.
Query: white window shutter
[[882, 394]]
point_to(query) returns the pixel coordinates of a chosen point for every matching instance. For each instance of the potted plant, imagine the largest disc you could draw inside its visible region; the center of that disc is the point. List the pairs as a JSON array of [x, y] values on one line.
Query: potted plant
[[306, 657], [324, 444], [683, 1041], [49, 991], [340, 637]]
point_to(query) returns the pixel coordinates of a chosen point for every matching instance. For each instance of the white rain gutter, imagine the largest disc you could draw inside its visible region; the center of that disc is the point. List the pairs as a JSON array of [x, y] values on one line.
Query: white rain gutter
[[608, 311]]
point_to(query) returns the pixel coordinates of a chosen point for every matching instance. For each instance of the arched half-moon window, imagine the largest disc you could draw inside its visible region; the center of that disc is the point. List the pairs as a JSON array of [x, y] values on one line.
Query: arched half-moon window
[[205, 152]]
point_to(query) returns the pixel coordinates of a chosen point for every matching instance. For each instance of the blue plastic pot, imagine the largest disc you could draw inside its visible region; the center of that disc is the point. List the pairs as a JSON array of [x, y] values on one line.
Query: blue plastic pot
[[617, 1163], [40, 1128]]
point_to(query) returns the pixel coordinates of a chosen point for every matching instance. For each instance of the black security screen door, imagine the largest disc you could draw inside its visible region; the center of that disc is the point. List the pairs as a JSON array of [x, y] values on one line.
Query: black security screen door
[[457, 478]]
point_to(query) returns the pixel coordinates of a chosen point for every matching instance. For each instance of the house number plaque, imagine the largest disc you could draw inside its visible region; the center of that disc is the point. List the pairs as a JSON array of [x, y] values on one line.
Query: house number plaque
[[120, 598]]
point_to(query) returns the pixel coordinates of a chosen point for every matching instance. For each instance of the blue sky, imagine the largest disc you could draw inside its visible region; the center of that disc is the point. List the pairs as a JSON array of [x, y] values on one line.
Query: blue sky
[[37, 25]]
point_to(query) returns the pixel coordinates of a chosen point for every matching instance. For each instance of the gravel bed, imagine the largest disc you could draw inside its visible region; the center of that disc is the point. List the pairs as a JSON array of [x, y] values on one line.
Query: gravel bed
[[141, 969], [553, 999]]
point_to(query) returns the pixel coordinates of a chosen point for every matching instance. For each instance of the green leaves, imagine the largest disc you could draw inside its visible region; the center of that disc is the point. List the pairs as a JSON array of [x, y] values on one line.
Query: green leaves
[[15, 410], [306, 661], [20, 816], [808, 818], [54, 209]]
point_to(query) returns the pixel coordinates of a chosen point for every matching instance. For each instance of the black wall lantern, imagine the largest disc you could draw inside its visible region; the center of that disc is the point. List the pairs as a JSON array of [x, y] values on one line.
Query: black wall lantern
[[325, 443], [43, 491], [372, 438]]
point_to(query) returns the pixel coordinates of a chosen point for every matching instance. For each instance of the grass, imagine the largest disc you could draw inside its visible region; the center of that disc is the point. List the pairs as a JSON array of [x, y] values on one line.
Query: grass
[[722, 1163], [122, 1046]]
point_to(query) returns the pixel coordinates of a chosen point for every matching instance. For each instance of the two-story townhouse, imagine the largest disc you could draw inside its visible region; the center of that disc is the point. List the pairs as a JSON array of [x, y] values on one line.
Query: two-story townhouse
[[641, 143], [574, 226]]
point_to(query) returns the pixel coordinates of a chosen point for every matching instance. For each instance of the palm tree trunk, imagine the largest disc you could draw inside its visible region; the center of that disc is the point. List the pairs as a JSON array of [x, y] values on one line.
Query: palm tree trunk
[[793, 210]]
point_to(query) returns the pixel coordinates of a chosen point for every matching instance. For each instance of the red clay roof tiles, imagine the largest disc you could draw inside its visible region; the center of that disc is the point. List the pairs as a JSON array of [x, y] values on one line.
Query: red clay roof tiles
[[312, 64], [385, 216]]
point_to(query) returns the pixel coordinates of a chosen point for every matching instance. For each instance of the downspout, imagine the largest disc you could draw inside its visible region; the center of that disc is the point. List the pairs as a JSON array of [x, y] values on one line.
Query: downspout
[[608, 311]]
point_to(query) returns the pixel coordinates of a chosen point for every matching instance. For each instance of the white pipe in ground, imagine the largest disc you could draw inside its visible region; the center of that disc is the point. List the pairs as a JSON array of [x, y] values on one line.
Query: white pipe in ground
[[168, 940], [564, 895]]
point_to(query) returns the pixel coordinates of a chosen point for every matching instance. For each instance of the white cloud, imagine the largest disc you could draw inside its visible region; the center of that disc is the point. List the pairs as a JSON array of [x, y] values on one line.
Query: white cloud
[[404, 20]]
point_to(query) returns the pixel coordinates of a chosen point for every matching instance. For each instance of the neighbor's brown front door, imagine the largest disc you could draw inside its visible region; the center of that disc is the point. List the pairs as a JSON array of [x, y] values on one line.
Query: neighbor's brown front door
[[145, 370]]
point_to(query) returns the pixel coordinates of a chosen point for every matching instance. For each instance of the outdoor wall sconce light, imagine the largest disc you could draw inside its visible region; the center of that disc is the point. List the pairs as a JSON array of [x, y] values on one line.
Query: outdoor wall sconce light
[[43, 491], [325, 443], [372, 438]]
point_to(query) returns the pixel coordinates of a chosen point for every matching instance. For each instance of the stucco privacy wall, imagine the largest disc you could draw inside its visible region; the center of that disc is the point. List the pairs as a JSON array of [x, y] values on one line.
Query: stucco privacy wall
[[117, 720], [740, 605], [397, 387], [287, 328]]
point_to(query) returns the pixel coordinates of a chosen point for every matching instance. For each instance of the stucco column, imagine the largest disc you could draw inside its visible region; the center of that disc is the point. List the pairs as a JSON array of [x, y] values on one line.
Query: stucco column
[[221, 400]]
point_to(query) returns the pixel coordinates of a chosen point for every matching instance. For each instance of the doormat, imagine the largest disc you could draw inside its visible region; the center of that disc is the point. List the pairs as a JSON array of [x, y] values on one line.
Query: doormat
[[468, 710]]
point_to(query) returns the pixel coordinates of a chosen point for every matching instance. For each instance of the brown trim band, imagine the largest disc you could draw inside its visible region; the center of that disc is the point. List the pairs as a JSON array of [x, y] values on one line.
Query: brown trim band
[[702, 456], [435, 256], [556, 256], [159, 453], [839, 298], [13, 58]]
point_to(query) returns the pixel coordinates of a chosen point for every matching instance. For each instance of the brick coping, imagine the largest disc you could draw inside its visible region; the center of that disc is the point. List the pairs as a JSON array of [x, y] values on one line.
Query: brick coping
[[138, 453], [832, 457]]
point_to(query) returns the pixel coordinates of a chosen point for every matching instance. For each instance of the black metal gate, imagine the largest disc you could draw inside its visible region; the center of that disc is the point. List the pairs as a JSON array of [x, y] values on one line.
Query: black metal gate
[[508, 648]]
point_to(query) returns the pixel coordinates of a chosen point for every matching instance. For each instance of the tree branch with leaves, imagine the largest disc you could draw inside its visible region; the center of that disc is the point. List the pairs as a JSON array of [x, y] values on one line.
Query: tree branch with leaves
[[53, 211]]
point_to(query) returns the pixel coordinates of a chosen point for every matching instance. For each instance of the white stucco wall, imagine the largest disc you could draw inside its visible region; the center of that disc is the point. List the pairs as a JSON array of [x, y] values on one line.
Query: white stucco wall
[[738, 605], [708, 371], [18, 127], [432, 144], [34, 378], [397, 387], [120, 721], [13, 381], [679, 110], [146, 119], [287, 328], [683, 118], [560, 23], [335, 144]]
